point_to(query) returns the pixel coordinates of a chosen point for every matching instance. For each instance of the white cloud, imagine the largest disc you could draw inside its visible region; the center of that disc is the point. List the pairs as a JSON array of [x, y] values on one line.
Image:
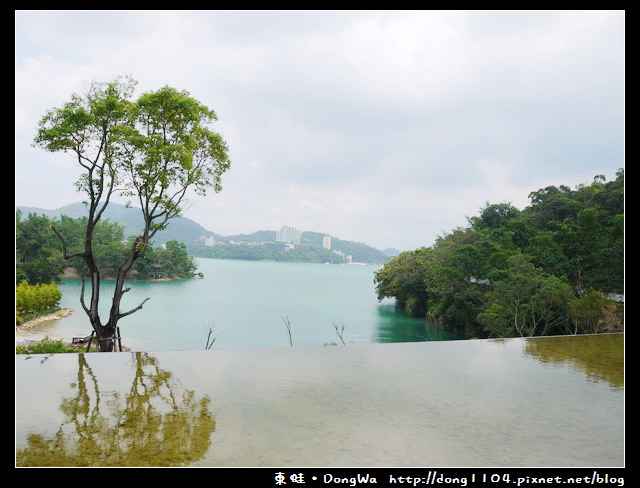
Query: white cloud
[[385, 127]]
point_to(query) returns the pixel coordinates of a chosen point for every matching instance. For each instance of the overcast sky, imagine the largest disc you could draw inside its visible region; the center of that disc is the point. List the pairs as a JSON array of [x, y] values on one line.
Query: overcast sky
[[384, 127]]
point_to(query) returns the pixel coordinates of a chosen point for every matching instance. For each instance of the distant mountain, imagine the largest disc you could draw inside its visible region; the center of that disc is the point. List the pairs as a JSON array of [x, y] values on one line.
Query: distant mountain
[[180, 229], [190, 233]]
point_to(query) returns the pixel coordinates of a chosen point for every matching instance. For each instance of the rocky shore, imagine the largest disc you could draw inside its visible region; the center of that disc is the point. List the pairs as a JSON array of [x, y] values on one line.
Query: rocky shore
[[27, 333]]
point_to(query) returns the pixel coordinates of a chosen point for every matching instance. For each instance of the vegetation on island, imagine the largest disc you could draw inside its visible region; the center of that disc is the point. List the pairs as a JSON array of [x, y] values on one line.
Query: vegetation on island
[[39, 258], [40, 263], [554, 268], [154, 150]]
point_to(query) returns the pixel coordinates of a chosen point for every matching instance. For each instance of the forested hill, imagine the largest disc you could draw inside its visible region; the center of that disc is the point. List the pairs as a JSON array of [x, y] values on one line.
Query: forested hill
[[555, 267], [192, 234], [310, 249]]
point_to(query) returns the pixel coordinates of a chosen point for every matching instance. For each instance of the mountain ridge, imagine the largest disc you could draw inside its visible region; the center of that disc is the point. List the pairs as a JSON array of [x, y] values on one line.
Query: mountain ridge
[[183, 229]]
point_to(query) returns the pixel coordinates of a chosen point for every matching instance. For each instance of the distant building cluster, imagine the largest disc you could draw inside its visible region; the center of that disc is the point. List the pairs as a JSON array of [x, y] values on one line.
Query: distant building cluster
[[287, 239]]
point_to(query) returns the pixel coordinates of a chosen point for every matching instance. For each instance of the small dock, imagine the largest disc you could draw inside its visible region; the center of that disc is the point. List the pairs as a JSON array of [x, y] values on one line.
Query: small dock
[[80, 339]]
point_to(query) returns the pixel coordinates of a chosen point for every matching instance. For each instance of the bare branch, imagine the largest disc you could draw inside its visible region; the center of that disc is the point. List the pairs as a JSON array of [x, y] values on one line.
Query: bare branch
[[287, 324], [124, 314], [340, 331], [64, 246]]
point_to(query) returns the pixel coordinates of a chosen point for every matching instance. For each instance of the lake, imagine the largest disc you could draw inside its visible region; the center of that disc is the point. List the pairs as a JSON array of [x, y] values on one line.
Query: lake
[[249, 304], [398, 394]]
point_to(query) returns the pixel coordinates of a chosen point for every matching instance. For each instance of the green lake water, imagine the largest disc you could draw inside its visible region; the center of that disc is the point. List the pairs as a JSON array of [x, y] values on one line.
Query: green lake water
[[248, 303]]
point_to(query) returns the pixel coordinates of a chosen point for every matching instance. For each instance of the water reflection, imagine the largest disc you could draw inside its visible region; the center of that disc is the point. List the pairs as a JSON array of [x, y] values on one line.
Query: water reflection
[[151, 425], [599, 357], [394, 325], [515, 402]]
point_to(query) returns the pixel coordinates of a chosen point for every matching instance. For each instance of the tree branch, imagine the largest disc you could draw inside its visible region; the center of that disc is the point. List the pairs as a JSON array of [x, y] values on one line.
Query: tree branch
[[124, 314]]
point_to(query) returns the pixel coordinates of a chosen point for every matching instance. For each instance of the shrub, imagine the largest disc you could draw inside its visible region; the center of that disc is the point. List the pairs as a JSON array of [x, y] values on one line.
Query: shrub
[[45, 346]]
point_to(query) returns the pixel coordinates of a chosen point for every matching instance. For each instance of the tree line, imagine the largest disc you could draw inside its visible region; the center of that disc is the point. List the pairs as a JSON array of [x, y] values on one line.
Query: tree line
[[554, 268], [34, 299], [39, 258]]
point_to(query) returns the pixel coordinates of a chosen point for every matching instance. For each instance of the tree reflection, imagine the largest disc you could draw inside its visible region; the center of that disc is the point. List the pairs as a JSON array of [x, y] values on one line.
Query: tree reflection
[[148, 427], [599, 356]]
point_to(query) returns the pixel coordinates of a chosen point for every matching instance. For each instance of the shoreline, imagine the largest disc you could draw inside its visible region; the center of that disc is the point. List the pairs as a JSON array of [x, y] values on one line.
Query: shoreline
[[27, 332]]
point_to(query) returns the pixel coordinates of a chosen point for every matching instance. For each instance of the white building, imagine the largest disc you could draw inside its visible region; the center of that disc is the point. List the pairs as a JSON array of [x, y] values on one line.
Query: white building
[[288, 234], [326, 242]]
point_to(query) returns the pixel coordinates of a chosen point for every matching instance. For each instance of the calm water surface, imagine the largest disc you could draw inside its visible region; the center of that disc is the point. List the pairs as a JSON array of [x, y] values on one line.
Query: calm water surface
[[397, 394], [542, 402], [247, 304]]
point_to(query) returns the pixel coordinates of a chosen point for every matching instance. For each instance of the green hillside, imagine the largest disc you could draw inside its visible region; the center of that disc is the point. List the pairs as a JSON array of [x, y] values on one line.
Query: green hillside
[[191, 233]]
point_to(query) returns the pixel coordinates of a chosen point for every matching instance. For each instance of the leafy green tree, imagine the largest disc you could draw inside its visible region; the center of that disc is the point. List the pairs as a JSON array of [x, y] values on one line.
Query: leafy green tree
[[588, 226], [34, 299], [154, 150], [553, 204], [403, 277], [526, 302], [73, 231], [594, 314], [38, 257], [109, 246], [547, 254], [26, 300], [145, 267], [494, 216], [174, 260]]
